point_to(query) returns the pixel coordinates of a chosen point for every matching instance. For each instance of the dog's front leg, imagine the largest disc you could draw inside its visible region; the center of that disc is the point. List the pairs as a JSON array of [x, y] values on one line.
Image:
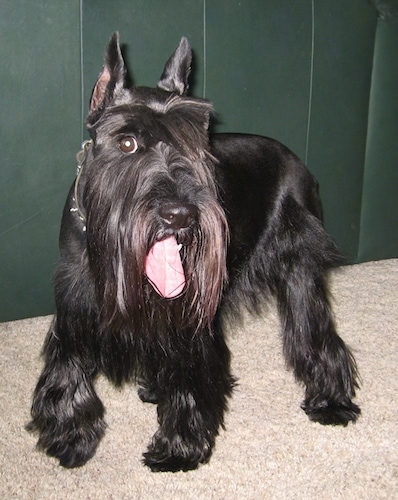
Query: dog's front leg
[[192, 399], [66, 411]]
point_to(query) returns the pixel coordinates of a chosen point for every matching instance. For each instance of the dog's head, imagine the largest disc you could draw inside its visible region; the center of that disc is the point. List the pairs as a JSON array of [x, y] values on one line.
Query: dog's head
[[162, 114], [150, 197]]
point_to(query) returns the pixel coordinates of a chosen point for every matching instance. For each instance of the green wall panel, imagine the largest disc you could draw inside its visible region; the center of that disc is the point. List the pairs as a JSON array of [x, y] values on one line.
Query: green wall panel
[[40, 132], [258, 67], [379, 221], [296, 70], [344, 37]]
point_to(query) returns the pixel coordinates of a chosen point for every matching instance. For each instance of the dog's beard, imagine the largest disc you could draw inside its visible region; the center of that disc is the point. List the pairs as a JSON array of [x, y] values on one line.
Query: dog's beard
[[120, 235], [205, 263]]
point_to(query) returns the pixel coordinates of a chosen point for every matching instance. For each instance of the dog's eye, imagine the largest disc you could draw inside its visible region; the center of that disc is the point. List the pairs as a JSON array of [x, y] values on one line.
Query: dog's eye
[[128, 144]]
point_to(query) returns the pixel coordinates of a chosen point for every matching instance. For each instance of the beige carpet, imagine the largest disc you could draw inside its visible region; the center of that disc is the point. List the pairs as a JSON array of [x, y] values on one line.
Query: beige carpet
[[270, 449]]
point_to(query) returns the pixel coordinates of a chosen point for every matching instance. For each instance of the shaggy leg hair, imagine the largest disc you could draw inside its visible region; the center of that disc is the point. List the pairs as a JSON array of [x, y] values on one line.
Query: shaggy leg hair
[[287, 258], [241, 218]]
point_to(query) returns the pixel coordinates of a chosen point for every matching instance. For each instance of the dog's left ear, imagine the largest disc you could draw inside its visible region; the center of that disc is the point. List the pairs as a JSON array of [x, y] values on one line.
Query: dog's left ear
[[176, 72], [111, 80]]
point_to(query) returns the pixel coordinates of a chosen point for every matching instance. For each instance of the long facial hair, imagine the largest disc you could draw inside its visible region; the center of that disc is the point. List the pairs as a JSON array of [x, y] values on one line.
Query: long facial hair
[[122, 224]]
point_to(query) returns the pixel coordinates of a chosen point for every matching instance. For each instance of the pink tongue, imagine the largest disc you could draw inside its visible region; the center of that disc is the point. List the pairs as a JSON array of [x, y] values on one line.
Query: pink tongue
[[163, 268]]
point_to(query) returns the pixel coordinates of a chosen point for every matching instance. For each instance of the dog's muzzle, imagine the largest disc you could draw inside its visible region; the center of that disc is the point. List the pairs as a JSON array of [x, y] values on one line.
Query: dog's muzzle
[[163, 266]]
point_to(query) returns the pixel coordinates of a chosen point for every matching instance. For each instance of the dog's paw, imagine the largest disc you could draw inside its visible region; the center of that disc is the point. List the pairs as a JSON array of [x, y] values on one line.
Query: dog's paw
[[162, 456], [73, 447], [160, 463], [72, 455], [331, 412]]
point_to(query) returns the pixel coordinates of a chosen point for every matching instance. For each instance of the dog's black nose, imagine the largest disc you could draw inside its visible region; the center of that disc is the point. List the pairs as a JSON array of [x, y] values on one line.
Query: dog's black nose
[[177, 215]]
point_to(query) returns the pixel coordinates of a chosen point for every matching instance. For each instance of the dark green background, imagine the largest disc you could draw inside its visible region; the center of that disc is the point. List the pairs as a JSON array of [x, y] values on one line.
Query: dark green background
[[320, 76]]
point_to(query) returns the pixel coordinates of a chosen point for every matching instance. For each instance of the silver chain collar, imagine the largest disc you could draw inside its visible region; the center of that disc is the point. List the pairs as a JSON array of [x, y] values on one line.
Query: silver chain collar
[[81, 158]]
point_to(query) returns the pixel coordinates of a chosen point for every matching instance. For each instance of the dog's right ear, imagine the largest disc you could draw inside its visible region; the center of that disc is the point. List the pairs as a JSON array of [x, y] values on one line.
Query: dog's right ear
[[111, 80]]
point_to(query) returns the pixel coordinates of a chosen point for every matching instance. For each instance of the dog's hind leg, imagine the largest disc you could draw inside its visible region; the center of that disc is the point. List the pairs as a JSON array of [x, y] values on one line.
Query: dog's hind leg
[[303, 253], [192, 399], [66, 411]]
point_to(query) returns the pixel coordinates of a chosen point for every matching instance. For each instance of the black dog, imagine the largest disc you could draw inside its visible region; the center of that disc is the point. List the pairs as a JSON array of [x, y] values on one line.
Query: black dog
[[165, 234]]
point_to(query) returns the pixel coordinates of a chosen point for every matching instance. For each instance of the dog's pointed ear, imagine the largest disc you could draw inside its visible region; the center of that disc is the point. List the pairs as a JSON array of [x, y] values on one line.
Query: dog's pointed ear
[[176, 72], [111, 79]]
